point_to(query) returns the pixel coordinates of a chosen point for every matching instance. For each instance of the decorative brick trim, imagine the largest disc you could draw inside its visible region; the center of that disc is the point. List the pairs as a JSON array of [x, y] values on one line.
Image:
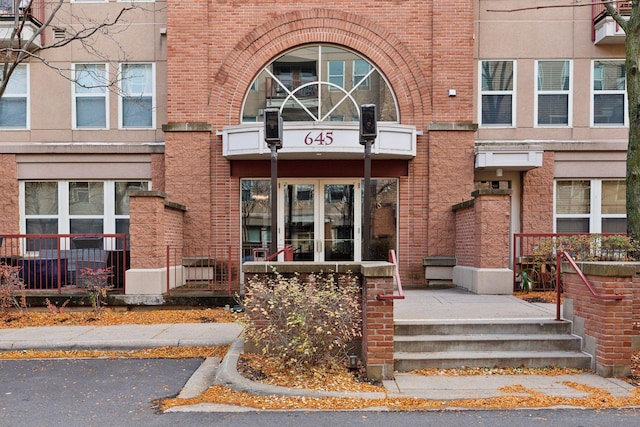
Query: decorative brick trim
[[319, 25]]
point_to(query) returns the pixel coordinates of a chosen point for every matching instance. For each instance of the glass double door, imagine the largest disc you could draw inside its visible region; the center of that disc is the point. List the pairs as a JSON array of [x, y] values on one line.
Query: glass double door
[[320, 219]]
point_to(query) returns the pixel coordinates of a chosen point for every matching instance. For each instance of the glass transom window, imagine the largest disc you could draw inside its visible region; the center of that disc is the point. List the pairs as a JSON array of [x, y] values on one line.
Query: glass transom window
[[319, 83]]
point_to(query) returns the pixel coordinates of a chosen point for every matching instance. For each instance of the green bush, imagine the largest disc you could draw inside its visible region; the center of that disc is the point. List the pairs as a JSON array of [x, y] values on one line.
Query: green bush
[[308, 322]]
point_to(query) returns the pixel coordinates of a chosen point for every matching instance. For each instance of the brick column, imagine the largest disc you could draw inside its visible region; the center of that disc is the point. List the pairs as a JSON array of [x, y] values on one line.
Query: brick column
[[10, 218], [606, 326], [492, 224], [377, 320]]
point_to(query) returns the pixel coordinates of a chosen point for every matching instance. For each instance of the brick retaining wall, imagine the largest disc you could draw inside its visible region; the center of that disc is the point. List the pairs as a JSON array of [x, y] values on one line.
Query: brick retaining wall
[[606, 326]]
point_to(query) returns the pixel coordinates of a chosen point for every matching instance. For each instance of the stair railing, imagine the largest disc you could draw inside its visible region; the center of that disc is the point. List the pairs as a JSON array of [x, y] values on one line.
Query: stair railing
[[396, 276], [288, 254], [583, 278]]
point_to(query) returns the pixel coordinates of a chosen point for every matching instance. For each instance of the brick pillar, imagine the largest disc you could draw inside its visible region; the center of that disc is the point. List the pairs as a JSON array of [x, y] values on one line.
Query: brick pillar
[[10, 218], [606, 326], [492, 224], [377, 322]]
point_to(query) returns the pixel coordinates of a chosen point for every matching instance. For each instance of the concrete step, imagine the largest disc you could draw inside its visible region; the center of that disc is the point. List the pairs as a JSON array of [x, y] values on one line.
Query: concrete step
[[486, 342], [409, 361], [493, 326]]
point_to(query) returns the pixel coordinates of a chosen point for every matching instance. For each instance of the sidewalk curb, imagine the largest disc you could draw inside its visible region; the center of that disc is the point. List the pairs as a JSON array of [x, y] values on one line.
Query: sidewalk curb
[[201, 379], [228, 376]]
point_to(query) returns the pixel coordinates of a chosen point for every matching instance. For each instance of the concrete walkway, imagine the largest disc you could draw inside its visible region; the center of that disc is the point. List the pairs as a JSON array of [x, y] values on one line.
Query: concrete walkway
[[458, 304], [418, 305]]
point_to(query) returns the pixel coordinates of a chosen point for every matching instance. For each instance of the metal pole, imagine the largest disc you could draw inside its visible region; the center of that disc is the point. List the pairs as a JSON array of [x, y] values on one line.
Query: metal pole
[[366, 241], [274, 199]]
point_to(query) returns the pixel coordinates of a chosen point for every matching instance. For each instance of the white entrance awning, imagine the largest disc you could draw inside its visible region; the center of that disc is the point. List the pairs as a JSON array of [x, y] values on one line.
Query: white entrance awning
[[312, 140]]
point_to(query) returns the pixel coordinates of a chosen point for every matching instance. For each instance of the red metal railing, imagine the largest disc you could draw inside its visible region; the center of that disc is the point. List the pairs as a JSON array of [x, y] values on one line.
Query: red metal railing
[[11, 8], [396, 275], [287, 251], [583, 278], [206, 268], [535, 253], [54, 262], [598, 12]]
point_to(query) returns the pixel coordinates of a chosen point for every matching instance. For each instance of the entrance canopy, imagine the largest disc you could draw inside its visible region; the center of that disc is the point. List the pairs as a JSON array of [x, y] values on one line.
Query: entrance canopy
[[319, 140]]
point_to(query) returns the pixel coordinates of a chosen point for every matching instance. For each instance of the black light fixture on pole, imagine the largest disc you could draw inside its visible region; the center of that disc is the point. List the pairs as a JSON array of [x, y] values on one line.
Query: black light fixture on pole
[[273, 138], [368, 134]]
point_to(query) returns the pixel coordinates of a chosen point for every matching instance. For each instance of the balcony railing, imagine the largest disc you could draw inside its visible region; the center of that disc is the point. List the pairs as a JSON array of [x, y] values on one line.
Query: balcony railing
[[55, 262], [14, 11], [13, 8], [604, 29]]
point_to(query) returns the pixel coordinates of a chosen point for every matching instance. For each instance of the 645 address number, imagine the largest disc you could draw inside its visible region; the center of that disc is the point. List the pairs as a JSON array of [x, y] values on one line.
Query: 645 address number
[[322, 138]]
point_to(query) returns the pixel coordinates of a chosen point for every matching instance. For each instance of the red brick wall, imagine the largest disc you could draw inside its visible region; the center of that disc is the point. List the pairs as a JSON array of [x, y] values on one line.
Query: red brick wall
[[492, 230], [450, 181], [10, 218], [465, 233], [537, 197], [173, 227], [154, 225], [377, 329], [609, 323], [157, 172], [191, 177], [482, 230], [225, 45]]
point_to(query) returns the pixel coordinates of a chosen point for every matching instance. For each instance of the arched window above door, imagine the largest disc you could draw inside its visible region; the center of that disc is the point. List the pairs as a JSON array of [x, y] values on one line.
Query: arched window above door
[[319, 83]]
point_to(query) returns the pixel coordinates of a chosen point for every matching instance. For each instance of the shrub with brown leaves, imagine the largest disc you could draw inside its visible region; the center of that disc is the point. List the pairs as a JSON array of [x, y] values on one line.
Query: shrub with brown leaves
[[308, 322], [12, 289]]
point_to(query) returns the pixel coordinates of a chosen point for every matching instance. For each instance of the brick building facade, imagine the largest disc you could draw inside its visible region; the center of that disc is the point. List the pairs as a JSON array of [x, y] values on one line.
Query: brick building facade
[[462, 107], [417, 50]]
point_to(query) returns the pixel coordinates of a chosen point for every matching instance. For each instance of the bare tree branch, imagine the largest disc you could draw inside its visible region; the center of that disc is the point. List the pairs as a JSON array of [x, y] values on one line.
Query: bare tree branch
[[20, 50]]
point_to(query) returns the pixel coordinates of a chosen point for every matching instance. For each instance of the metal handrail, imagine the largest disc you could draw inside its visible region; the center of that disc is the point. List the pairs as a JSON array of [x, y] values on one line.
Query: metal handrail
[[396, 275], [288, 254], [585, 280]]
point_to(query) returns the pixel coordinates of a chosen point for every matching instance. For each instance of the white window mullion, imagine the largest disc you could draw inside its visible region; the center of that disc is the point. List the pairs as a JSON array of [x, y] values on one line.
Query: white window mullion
[[109, 224], [595, 219]]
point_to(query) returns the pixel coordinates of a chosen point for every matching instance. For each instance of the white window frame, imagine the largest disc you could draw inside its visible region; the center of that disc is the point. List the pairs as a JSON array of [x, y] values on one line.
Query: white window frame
[[594, 92], [511, 92], [568, 92], [595, 214], [151, 94], [330, 76], [365, 85], [75, 95], [63, 216], [90, 1], [25, 95]]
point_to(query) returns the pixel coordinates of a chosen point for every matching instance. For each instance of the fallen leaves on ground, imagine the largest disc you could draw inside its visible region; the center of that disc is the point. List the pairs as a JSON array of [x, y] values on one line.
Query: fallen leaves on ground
[[328, 379], [150, 353], [269, 370], [516, 396], [114, 317], [459, 372], [538, 296]]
